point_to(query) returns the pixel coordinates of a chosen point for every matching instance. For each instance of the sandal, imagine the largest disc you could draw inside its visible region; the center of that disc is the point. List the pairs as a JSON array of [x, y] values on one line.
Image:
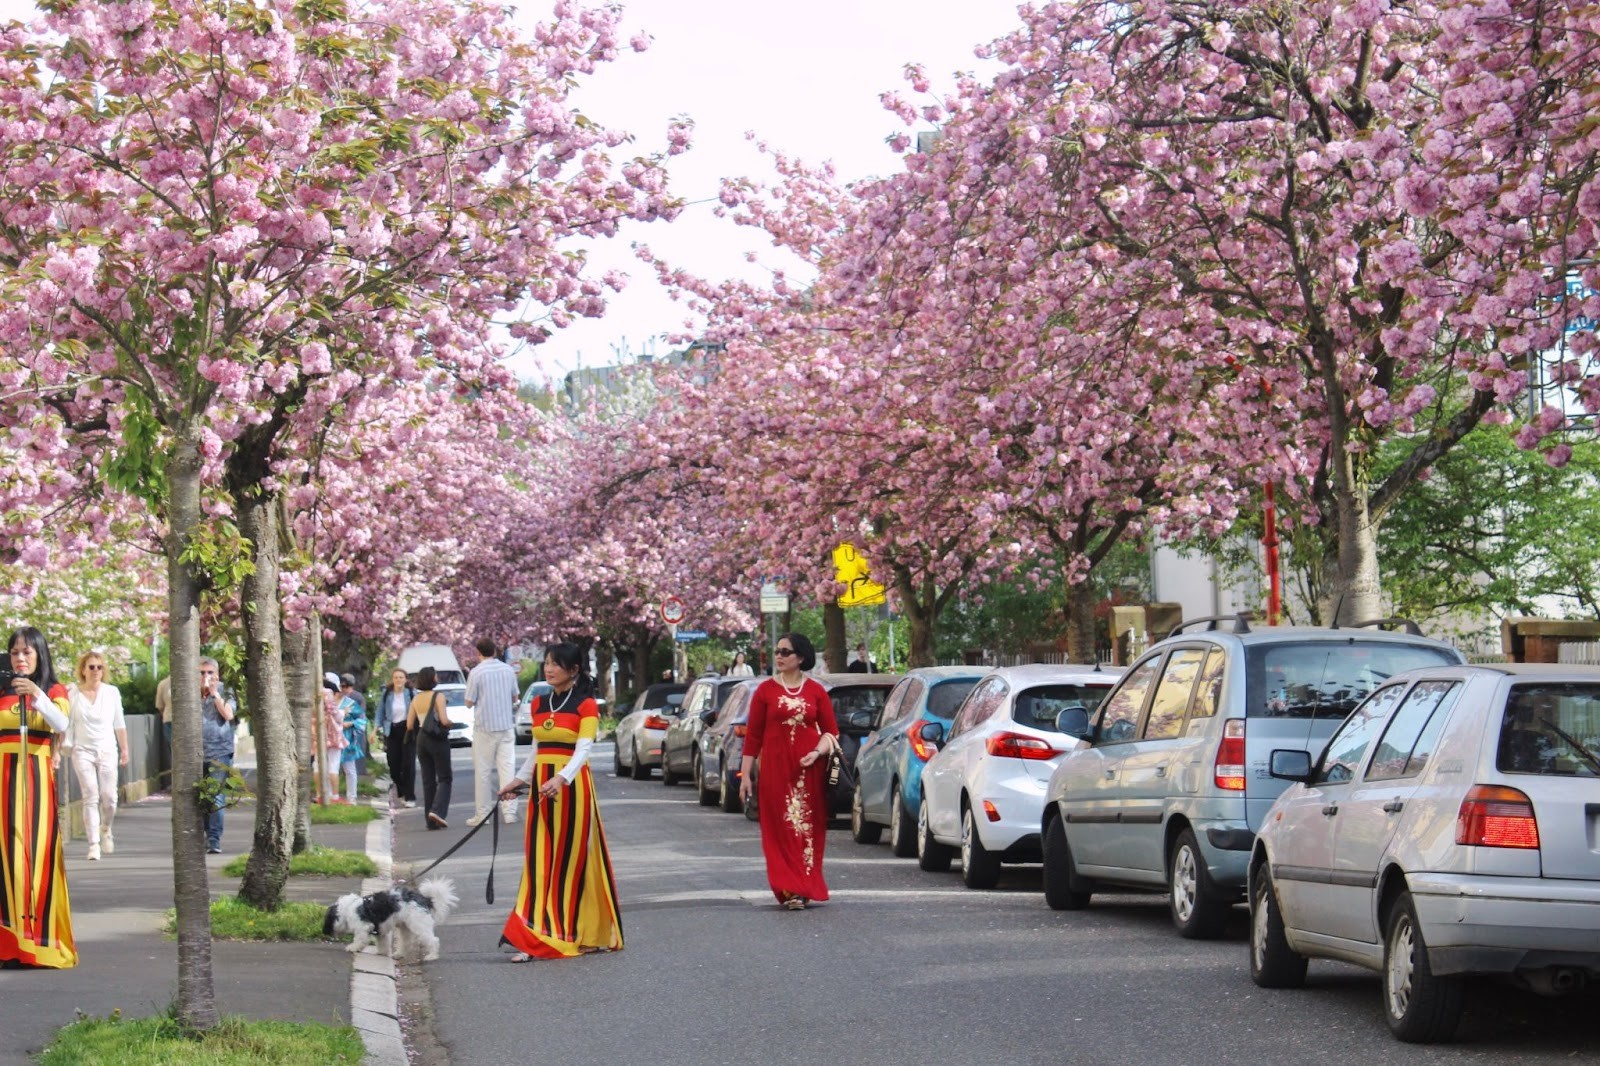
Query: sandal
[[520, 956], [794, 903]]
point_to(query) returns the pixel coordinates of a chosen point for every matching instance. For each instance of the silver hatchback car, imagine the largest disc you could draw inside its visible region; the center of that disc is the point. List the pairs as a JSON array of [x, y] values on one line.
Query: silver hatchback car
[[1450, 828]]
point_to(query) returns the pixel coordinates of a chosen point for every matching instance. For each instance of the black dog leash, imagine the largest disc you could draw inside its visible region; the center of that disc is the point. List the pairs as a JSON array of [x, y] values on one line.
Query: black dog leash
[[494, 846]]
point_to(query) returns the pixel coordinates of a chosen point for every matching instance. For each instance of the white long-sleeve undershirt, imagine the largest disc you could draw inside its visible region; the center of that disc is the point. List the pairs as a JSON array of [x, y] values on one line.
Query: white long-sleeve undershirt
[[569, 772]]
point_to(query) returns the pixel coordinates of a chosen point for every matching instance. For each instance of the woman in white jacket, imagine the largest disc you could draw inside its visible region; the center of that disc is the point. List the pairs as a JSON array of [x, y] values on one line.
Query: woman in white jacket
[[97, 739]]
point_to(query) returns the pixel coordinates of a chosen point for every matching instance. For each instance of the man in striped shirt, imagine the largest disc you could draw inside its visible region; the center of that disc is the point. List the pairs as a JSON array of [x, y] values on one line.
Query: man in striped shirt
[[492, 695]]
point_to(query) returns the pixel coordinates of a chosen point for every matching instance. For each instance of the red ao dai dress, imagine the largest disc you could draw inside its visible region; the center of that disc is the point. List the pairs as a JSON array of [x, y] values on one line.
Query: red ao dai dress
[[791, 799], [567, 902], [35, 919]]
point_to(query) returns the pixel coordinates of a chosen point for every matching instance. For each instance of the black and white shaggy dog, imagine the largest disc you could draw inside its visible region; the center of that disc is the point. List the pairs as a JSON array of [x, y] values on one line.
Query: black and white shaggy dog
[[403, 913]]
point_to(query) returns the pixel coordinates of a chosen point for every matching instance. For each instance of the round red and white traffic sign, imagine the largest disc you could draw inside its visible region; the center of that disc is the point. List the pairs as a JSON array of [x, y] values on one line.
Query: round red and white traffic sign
[[672, 610]]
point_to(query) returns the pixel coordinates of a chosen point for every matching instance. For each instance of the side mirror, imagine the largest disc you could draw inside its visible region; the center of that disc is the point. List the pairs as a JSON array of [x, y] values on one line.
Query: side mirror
[[1290, 764], [1074, 722], [708, 716], [933, 733], [861, 720]]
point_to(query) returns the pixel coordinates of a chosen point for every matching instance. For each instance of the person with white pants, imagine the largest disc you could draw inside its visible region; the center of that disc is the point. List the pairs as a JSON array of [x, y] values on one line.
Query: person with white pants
[[492, 695], [97, 739]]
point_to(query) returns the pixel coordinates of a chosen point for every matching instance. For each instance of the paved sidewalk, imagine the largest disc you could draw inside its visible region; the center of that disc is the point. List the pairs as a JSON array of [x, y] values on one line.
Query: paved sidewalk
[[126, 964]]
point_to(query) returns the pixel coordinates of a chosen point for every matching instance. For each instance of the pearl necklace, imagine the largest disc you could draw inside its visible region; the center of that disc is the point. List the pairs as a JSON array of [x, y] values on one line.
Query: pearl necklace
[[551, 708], [786, 689]]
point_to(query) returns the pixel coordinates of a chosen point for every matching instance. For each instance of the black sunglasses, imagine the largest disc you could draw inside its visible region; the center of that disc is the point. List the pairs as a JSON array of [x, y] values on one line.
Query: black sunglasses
[[787, 651]]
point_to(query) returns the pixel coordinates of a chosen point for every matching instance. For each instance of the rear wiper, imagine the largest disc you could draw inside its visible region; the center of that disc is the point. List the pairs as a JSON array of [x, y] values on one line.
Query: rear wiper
[[1577, 745]]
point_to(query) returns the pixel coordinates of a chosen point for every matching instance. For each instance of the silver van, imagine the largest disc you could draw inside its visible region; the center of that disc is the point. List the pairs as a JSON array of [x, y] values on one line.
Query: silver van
[[1173, 778]]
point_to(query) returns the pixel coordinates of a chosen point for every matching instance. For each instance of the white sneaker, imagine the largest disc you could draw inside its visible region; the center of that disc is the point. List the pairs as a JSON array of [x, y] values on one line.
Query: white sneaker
[[410, 803], [107, 845], [477, 820], [94, 852]]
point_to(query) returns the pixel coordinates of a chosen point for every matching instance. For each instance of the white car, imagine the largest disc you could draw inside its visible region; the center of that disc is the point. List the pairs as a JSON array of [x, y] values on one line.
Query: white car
[[642, 730], [460, 715], [983, 792], [1450, 828], [522, 721]]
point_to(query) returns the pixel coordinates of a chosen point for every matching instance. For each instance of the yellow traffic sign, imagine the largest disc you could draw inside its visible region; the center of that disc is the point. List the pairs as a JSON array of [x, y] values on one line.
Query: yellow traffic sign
[[850, 570]]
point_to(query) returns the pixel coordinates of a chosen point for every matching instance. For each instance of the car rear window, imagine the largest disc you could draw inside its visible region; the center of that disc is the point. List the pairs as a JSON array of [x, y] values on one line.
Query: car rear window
[[945, 697], [1325, 679], [1552, 730], [1038, 707]]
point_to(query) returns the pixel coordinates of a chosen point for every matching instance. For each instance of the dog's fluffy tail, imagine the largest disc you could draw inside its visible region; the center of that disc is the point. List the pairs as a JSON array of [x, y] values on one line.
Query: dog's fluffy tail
[[441, 893]]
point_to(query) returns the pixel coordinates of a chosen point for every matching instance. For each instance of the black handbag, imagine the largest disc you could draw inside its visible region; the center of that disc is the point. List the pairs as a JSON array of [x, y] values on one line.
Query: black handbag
[[840, 775], [431, 726]]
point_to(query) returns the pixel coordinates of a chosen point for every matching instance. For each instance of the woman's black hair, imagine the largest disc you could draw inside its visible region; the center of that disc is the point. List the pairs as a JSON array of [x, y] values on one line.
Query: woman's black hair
[[571, 658], [427, 678], [44, 674], [803, 648]]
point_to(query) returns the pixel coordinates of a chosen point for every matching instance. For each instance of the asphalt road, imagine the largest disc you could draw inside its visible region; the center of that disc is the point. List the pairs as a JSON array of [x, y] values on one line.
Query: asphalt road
[[900, 967]]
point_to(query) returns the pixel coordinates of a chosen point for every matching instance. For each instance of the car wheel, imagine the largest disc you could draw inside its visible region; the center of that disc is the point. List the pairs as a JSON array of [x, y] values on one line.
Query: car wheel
[[902, 827], [1419, 1007], [1273, 963], [668, 778], [931, 855], [708, 796], [616, 759], [641, 772], [728, 794], [861, 830], [980, 867], [1064, 890], [1196, 909]]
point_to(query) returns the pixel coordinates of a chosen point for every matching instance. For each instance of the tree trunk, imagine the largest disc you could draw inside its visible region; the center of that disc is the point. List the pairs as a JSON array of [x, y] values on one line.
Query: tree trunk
[[1079, 610], [834, 636], [642, 647], [196, 1005], [270, 721], [303, 687], [1350, 571], [604, 656], [922, 617]]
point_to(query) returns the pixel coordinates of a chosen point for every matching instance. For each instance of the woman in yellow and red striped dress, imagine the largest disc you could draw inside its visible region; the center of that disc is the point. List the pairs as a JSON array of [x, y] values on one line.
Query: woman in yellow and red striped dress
[[35, 919], [567, 902]]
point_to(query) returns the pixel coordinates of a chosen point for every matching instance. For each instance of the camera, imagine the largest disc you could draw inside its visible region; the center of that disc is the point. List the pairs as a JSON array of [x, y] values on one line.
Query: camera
[[7, 675]]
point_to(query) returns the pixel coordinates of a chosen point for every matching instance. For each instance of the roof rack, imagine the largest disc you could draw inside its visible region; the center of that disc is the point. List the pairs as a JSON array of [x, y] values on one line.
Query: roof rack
[[1241, 622], [1407, 624]]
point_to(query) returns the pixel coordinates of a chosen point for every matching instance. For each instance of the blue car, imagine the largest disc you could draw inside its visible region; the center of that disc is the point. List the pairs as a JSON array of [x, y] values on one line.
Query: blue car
[[889, 765]]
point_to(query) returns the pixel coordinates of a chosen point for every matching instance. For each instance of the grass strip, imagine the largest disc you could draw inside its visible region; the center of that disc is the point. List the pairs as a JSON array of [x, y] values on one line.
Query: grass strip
[[233, 919], [161, 1041], [316, 861], [342, 814]]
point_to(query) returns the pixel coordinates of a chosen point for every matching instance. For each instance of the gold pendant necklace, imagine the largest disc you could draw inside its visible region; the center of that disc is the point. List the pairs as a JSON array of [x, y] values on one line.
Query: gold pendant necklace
[[551, 708]]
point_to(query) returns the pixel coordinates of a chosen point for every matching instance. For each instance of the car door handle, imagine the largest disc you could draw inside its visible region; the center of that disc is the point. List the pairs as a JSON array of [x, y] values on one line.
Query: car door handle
[[1111, 773], [1331, 809], [1394, 806], [1161, 771]]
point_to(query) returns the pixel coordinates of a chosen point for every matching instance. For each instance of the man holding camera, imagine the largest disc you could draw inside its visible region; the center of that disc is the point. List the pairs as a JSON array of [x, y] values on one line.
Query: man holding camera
[[218, 709]]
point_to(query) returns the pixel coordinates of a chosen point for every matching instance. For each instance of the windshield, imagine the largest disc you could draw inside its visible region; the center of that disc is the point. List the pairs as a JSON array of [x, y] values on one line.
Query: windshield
[[1552, 730], [1325, 679], [1038, 707], [945, 698], [455, 697]]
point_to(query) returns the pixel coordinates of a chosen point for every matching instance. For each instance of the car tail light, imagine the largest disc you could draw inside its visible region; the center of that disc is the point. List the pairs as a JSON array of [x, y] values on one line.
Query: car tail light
[[1229, 771], [738, 730], [1020, 746], [920, 747], [655, 721], [1493, 816]]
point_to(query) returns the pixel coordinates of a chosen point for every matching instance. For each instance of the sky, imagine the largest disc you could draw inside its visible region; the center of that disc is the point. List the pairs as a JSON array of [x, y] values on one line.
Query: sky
[[805, 78]]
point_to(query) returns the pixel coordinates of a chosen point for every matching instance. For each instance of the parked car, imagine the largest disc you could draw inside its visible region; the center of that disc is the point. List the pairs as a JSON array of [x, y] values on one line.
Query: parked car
[[1172, 783], [983, 791], [890, 761], [460, 715], [1450, 828], [523, 719], [640, 732], [701, 703], [721, 747]]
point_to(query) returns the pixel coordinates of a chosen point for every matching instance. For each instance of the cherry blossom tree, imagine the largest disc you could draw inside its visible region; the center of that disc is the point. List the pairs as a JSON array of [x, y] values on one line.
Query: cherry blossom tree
[[207, 206]]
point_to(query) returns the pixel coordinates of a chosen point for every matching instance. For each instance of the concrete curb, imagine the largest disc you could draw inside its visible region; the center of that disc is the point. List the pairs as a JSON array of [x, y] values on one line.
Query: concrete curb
[[374, 997]]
